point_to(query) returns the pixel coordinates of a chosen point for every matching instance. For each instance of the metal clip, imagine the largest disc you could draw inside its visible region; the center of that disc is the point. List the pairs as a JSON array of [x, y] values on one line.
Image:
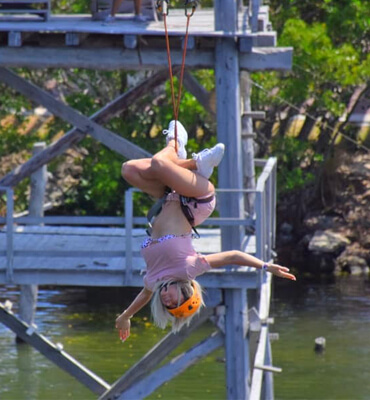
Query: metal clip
[[190, 4], [59, 346], [31, 329], [162, 6]]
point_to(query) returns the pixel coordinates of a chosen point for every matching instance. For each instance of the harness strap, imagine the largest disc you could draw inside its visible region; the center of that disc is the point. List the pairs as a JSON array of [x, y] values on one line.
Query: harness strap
[[157, 207]]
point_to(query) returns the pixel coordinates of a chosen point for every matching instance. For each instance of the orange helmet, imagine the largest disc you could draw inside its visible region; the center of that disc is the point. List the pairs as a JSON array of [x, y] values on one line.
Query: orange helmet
[[189, 307]]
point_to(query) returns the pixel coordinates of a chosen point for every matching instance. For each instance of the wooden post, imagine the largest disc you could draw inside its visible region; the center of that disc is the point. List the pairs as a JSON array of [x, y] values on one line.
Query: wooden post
[[128, 236], [228, 121], [28, 293], [269, 376], [236, 345], [248, 142]]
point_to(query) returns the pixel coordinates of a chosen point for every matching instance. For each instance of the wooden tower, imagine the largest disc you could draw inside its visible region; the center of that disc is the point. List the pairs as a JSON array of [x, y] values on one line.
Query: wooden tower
[[232, 39]]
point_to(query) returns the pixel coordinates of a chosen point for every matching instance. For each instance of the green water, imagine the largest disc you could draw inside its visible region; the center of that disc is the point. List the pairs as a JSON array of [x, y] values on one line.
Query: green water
[[339, 311], [83, 321]]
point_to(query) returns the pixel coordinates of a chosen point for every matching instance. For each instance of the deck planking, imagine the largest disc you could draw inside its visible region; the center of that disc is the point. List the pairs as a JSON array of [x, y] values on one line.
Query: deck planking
[[66, 41], [202, 24], [90, 256]]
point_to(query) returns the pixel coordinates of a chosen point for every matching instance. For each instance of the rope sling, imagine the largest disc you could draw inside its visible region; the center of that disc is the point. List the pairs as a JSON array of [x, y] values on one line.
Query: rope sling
[[190, 7]]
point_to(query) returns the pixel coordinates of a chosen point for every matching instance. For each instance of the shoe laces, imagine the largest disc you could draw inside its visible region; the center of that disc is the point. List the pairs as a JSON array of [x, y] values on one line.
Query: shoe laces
[[200, 155]]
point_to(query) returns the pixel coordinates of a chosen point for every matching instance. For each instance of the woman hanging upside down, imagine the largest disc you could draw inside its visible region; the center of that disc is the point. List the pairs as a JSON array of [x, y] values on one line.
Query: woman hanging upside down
[[172, 263]]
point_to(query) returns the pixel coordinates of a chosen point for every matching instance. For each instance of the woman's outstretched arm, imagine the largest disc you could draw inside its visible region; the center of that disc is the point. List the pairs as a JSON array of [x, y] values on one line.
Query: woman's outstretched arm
[[123, 323], [236, 257]]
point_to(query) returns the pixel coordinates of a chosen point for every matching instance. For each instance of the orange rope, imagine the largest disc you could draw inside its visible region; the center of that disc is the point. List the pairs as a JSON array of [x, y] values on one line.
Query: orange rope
[[171, 75], [176, 105], [183, 64]]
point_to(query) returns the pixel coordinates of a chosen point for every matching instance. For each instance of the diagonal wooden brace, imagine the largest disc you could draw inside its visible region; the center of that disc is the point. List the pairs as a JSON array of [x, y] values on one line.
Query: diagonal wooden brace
[[75, 135]]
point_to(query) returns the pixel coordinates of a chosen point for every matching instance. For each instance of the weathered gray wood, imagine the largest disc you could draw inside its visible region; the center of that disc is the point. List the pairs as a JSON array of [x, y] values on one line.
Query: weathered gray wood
[[59, 357], [265, 39], [259, 59], [236, 346], [147, 385], [110, 139], [72, 39], [190, 43], [257, 115], [257, 375], [254, 10], [8, 239], [260, 227], [265, 209], [247, 143], [129, 216], [67, 220], [29, 293], [202, 23], [265, 297], [25, 7], [75, 135], [269, 369], [155, 356], [228, 122], [130, 41], [14, 39]]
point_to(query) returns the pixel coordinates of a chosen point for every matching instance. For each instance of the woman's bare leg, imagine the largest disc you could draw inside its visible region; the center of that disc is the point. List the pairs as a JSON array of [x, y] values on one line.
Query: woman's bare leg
[[165, 168], [139, 173]]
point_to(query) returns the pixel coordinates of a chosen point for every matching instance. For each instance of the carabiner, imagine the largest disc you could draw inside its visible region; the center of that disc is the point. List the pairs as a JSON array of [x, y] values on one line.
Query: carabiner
[[190, 4], [162, 6]]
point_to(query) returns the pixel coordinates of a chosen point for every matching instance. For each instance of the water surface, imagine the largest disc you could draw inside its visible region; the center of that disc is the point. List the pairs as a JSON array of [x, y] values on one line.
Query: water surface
[[83, 321]]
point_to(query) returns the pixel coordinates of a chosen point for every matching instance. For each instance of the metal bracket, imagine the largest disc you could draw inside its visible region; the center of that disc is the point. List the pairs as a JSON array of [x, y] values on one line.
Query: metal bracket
[[268, 368]]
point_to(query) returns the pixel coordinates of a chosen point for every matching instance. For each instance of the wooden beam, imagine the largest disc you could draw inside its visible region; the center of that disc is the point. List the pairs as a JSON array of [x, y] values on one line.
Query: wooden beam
[[29, 293], [259, 58], [237, 349], [14, 39], [130, 41], [147, 385], [267, 59], [86, 125], [154, 357], [75, 135], [59, 357], [230, 175], [257, 115], [75, 39]]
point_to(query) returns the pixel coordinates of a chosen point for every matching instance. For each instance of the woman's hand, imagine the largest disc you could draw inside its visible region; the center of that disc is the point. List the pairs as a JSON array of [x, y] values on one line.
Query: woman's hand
[[123, 324], [281, 272]]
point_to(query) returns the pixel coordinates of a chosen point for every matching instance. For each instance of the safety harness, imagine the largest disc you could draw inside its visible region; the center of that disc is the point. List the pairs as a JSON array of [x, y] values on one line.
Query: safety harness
[[184, 201]]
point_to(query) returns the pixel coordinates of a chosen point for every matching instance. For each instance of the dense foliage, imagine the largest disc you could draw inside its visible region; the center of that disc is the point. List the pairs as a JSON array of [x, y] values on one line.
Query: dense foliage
[[331, 41]]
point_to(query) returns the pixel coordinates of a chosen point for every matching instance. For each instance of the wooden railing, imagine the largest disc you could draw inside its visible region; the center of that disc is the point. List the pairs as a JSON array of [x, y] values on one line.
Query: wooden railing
[[9, 232], [263, 221]]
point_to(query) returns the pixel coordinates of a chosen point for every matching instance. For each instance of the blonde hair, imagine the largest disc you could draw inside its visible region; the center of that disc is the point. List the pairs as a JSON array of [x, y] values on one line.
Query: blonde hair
[[160, 314]]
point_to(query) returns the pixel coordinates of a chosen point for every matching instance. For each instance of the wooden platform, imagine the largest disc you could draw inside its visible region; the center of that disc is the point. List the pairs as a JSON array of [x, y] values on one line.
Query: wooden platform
[[39, 8], [78, 41], [97, 257]]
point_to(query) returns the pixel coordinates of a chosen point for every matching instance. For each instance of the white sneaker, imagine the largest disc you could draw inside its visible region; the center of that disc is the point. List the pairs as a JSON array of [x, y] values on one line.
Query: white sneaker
[[182, 137], [207, 159]]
